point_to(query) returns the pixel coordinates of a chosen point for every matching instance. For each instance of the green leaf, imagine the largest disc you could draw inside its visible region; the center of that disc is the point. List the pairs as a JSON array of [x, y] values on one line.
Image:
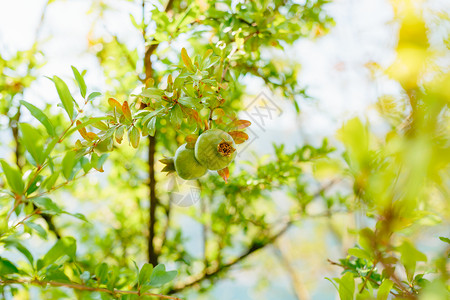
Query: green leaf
[[79, 216], [119, 134], [134, 136], [50, 147], [68, 163], [409, 258], [213, 61], [65, 96], [7, 267], [51, 180], [38, 228], [14, 178], [47, 205], [85, 164], [93, 95], [87, 123], [346, 286], [160, 276], [355, 136], [40, 116], [332, 282], [126, 111], [100, 126], [444, 239], [64, 246], [151, 126], [187, 60], [30, 139], [190, 102], [98, 161], [360, 253], [152, 93], [21, 248], [80, 81], [113, 277], [54, 274], [101, 272], [176, 116], [145, 274], [384, 289]]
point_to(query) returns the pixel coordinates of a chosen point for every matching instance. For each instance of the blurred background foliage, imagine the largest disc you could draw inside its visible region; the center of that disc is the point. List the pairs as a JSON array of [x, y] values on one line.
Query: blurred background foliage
[[368, 202]]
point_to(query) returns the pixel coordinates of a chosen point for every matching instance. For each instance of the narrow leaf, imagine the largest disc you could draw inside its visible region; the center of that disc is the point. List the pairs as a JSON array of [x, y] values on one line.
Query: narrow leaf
[[126, 111], [7, 267], [93, 95], [68, 164], [65, 96], [119, 134], [176, 116], [239, 137], [64, 246], [80, 81], [240, 124], [40, 116], [13, 177], [98, 161], [187, 60], [160, 276], [84, 124], [151, 126], [47, 205], [30, 139], [385, 289], [115, 104], [38, 228], [134, 136], [145, 273], [347, 286]]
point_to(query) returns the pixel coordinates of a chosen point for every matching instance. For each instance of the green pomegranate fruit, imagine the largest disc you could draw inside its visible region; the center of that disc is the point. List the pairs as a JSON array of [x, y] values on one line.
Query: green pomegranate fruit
[[215, 149], [186, 165]]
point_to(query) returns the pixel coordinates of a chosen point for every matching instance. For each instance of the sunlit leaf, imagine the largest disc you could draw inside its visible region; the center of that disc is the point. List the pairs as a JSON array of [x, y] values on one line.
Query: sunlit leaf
[[65, 96], [187, 60], [13, 177], [115, 104], [239, 137], [126, 111], [40, 116], [134, 136], [80, 81], [160, 276], [47, 205]]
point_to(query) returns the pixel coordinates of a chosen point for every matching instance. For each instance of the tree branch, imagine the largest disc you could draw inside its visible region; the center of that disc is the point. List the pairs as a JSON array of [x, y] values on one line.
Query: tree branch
[[152, 255], [219, 268], [77, 286], [148, 68], [301, 293], [211, 272]]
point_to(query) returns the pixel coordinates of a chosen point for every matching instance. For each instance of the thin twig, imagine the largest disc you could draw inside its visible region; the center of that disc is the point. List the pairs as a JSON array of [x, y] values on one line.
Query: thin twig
[[17, 203], [367, 277], [85, 288], [219, 267]]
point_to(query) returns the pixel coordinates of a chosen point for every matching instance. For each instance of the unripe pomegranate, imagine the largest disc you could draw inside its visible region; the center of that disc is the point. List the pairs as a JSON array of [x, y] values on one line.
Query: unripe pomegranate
[[215, 149], [186, 165]]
